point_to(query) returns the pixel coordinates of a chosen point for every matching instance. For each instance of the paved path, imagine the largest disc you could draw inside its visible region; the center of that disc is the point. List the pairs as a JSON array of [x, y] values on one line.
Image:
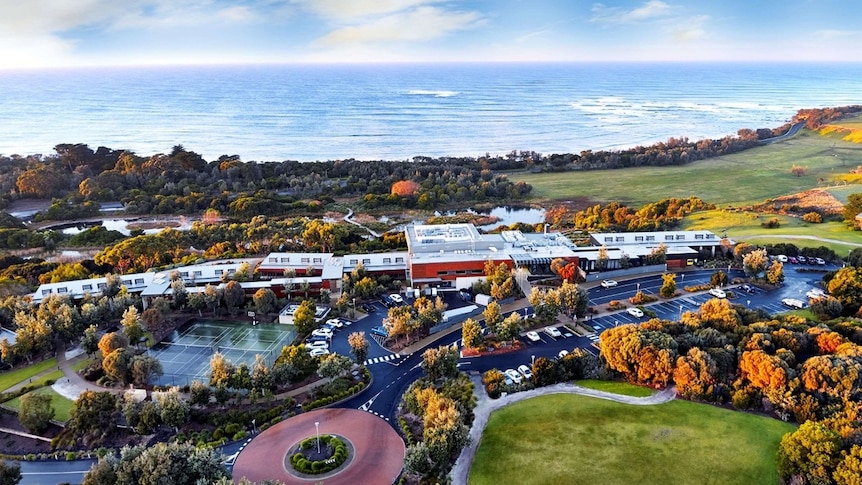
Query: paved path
[[349, 219], [26, 435], [378, 448], [486, 406]]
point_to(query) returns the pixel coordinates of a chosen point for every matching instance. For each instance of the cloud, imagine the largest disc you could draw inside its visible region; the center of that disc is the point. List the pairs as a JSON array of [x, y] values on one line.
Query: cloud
[[418, 24], [835, 34], [355, 9], [690, 28], [653, 9]]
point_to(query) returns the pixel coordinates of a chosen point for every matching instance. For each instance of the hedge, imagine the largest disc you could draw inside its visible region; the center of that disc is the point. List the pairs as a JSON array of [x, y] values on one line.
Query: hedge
[[301, 464]]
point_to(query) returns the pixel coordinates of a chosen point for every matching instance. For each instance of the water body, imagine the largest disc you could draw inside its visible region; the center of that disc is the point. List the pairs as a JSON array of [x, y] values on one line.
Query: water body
[[396, 112]]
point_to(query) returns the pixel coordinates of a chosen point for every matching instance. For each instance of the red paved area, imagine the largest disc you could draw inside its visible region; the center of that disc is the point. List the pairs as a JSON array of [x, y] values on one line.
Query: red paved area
[[379, 449]]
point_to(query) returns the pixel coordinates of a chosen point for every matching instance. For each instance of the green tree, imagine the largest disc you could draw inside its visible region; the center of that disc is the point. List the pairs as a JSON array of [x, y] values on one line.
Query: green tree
[[811, 453], [471, 334], [93, 414], [35, 411], [132, 327], [358, 346], [179, 294], [173, 409], [174, 463], [852, 208], [264, 300], [334, 365], [10, 473], [510, 327], [668, 285], [440, 362], [294, 363], [144, 368], [212, 296], [303, 317], [199, 394], [90, 341], [234, 296], [117, 365]]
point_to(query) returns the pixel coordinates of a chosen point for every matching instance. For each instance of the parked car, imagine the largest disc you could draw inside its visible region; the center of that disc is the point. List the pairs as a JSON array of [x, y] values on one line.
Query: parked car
[[323, 332], [781, 258], [717, 292], [533, 336], [553, 332], [636, 312], [368, 308], [793, 303], [609, 283], [396, 298], [334, 322], [820, 261], [747, 288], [562, 354], [801, 259], [513, 375], [318, 352], [316, 338], [379, 330], [792, 259], [317, 344], [385, 301], [815, 293], [525, 371]]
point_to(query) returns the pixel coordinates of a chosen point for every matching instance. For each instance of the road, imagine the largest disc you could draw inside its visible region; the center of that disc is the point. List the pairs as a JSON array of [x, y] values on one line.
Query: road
[[393, 373]]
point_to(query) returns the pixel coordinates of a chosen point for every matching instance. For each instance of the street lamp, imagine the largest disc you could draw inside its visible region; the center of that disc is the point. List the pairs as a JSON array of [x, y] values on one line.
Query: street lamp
[[353, 310], [317, 431], [639, 287], [254, 426], [532, 360], [682, 277], [680, 312], [616, 322]]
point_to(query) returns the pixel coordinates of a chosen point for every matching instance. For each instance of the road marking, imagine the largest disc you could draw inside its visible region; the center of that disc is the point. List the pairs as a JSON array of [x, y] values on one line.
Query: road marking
[[387, 358], [367, 405]]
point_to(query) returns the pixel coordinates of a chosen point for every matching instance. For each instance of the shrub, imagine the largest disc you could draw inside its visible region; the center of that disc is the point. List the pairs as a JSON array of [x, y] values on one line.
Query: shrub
[[231, 429], [616, 305], [813, 217], [240, 435], [640, 298], [218, 433], [771, 223]]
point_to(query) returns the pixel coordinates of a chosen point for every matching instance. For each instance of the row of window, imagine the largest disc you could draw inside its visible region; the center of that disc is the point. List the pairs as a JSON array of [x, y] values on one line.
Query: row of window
[[301, 260], [196, 274], [354, 262], [89, 286], [461, 272], [667, 237]]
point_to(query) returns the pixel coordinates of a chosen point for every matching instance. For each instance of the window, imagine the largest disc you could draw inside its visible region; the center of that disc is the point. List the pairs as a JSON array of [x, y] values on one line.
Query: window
[[318, 260], [650, 238], [399, 260], [304, 260], [62, 290], [219, 272], [639, 238], [710, 236], [387, 260], [139, 281], [184, 274], [698, 236], [102, 286], [46, 292], [668, 237], [231, 271], [621, 238], [285, 260], [609, 239], [354, 262], [127, 282], [87, 287], [366, 261], [680, 237], [198, 273]]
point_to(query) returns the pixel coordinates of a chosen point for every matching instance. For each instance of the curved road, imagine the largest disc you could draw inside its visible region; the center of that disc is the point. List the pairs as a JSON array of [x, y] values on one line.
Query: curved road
[[799, 236]]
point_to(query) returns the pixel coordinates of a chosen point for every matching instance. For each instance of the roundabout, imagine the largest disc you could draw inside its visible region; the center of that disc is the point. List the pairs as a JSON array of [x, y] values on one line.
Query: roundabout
[[375, 450]]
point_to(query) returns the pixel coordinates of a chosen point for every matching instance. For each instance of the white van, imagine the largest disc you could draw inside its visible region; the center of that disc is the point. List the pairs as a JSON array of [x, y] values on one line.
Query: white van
[[781, 258]]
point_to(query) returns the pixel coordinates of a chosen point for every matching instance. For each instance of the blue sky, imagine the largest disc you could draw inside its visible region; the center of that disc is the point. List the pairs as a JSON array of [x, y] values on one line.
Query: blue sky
[[39, 33]]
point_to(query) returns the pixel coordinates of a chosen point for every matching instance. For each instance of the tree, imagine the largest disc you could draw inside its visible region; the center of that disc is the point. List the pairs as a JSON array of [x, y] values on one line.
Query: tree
[[144, 368], [199, 393], [849, 469], [471, 334], [754, 263], [117, 365], [852, 208], [440, 362], [668, 286], [510, 327], [112, 341], [492, 316], [35, 411], [180, 295], [93, 414], [695, 375], [132, 327], [718, 278], [173, 410], [261, 378], [221, 371], [294, 364], [643, 356], [811, 453], [90, 341], [175, 463], [358, 346], [304, 317], [234, 295], [241, 379], [846, 287], [775, 273], [798, 170], [264, 300], [334, 365], [212, 296], [399, 321], [10, 473]]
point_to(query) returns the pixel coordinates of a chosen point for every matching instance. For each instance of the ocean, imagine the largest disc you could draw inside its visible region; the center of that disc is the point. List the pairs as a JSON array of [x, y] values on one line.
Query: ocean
[[396, 112]]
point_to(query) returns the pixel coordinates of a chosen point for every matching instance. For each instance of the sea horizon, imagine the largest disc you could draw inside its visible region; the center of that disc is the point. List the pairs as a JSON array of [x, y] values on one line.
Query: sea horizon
[[397, 111]]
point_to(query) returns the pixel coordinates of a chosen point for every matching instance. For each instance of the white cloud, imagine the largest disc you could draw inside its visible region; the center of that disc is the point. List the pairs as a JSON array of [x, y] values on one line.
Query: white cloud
[[835, 34], [689, 28], [238, 14], [353, 9], [419, 24], [653, 9]]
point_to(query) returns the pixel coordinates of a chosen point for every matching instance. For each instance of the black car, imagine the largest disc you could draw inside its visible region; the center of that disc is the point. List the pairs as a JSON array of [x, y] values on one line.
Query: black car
[[387, 302], [747, 288], [368, 308]]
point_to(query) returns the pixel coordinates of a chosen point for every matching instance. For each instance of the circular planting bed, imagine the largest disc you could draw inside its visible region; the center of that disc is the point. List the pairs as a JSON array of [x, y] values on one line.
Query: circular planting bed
[[319, 455]]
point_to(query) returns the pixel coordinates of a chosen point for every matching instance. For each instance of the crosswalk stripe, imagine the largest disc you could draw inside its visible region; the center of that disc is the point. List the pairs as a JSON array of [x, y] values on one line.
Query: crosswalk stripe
[[387, 358]]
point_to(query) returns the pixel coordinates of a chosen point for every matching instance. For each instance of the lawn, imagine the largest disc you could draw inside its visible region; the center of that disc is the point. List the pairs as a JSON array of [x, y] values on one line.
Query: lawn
[[62, 405], [746, 177], [9, 379], [615, 387], [572, 439], [745, 226]]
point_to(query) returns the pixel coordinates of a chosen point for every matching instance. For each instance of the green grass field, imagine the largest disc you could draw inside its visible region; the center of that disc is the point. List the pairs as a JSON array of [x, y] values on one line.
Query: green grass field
[[747, 177], [614, 387], [62, 406], [9, 379], [571, 439], [745, 226]]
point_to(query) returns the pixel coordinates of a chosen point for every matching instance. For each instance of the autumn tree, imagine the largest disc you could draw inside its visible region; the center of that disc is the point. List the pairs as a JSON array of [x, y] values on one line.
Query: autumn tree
[[221, 371], [718, 278], [112, 341], [810, 453], [400, 321], [754, 263], [492, 316], [132, 326], [510, 327], [642, 356], [668, 286], [846, 287], [798, 170], [405, 188], [775, 273], [264, 300], [695, 375], [117, 365], [440, 363], [334, 365], [471, 334], [304, 317]]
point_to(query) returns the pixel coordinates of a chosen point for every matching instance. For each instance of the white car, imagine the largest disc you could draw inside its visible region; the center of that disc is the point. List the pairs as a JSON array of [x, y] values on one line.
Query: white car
[[815, 293], [513, 375], [322, 332], [636, 312], [562, 354], [396, 298], [553, 332], [717, 292], [820, 261], [526, 371], [533, 336], [335, 322], [793, 303], [609, 283], [318, 352], [317, 344]]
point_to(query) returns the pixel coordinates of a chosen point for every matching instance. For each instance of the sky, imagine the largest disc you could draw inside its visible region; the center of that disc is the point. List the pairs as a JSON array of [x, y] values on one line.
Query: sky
[[61, 33]]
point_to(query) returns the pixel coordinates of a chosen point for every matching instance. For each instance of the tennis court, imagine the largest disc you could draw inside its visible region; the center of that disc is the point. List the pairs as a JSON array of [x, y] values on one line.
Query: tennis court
[[186, 354]]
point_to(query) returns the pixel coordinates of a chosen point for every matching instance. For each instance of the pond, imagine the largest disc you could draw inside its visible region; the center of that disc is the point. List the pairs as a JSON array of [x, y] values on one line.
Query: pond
[[509, 215], [125, 226]]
